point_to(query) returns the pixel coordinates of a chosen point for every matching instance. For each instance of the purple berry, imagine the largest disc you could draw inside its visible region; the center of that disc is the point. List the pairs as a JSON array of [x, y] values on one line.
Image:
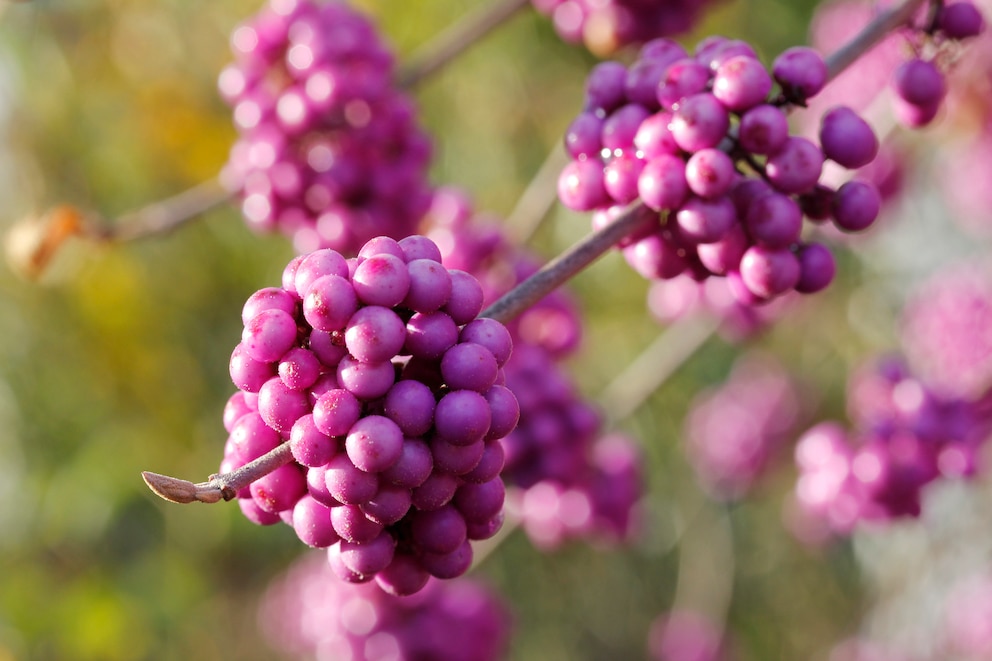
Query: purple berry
[[774, 220], [580, 186], [741, 82], [763, 130], [699, 122], [856, 205], [960, 20], [919, 82], [662, 184], [705, 220], [796, 167], [801, 71], [847, 139], [816, 268], [709, 173], [768, 272]]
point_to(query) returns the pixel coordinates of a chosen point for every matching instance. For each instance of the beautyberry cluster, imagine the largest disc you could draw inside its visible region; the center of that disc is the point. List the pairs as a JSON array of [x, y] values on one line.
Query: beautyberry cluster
[[605, 26], [388, 388], [913, 421], [918, 84], [703, 142], [308, 613], [329, 151], [904, 437]]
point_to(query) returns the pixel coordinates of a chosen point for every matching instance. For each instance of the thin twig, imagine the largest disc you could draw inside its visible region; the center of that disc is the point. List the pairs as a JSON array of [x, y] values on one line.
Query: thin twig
[[456, 39], [218, 487], [655, 365], [706, 566], [870, 35], [559, 270], [165, 215], [538, 198]]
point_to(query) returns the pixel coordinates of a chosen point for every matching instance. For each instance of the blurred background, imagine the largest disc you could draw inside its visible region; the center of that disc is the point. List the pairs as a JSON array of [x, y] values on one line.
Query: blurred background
[[115, 361]]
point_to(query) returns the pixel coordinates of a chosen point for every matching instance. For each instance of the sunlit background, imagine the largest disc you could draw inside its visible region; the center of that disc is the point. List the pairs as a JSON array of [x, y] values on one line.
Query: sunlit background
[[115, 361]]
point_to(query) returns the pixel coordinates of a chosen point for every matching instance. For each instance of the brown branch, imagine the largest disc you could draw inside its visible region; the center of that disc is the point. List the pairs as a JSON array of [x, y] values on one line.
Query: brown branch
[[572, 261], [165, 215], [219, 487], [870, 35]]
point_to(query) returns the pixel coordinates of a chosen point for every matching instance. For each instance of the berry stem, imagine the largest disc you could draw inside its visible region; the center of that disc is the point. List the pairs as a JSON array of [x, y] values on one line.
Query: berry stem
[[456, 39], [560, 269], [707, 541], [881, 25], [219, 487], [163, 216], [538, 198], [654, 365]]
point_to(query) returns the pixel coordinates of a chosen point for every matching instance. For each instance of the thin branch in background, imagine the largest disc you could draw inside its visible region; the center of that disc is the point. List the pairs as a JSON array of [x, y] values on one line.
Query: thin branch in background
[[163, 216], [655, 365], [443, 48], [870, 35], [31, 243], [538, 198], [706, 567]]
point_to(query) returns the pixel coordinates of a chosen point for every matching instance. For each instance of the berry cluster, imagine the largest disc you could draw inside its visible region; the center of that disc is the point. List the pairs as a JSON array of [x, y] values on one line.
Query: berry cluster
[[703, 142], [905, 437], [918, 84], [308, 613], [388, 387], [605, 26], [329, 151], [734, 431], [565, 483]]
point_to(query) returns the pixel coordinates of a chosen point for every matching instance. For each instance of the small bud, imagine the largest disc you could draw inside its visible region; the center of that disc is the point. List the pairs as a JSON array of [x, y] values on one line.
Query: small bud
[[32, 243], [170, 488]]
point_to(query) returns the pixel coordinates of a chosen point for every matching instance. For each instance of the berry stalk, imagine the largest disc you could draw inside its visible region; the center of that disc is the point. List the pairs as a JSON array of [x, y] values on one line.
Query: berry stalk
[[563, 267], [219, 487], [166, 215], [872, 33]]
